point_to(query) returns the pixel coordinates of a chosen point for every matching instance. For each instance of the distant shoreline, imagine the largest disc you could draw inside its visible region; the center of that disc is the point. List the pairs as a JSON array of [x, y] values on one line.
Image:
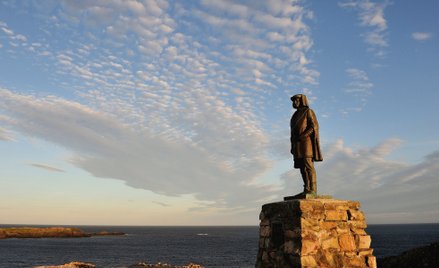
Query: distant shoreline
[[50, 232]]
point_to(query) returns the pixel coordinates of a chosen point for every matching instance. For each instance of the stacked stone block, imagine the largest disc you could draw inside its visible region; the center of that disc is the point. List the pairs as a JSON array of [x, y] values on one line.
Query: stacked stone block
[[314, 233]]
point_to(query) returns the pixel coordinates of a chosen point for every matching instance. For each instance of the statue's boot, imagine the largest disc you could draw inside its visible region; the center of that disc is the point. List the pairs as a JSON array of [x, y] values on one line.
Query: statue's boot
[[307, 187], [306, 182], [314, 186], [311, 175]]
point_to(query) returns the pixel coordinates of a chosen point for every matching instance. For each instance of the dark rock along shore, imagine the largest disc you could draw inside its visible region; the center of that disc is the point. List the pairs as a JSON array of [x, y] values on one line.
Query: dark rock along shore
[[427, 256], [138, 265]]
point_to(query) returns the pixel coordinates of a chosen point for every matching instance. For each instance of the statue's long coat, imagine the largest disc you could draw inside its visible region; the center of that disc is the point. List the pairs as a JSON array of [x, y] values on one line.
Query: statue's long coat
[[305, 141]]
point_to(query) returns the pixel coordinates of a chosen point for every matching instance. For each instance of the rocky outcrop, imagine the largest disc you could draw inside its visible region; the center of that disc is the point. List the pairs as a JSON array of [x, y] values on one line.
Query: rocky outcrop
[[314, 233], [163, 265], [138, 265], [31, 232], [49, 232], [70, 265], [426, 257]]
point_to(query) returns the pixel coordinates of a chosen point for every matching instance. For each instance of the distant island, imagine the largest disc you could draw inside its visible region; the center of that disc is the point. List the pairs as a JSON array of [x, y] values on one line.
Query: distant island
[[49, 232]]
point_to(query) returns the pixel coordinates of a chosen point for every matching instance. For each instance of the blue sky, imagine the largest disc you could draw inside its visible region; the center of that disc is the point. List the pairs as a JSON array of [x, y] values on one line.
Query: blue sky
[[177, 112]]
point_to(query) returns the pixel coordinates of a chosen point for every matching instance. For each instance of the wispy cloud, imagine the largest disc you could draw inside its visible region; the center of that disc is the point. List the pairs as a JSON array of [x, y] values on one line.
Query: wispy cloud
[[161, 203], [365, 174], [211, 167], [13, 40], [421, 36], [168, 97], [47, 167], [359, 88], [371, 16], [360, 81], [5, 135], [181, 47]]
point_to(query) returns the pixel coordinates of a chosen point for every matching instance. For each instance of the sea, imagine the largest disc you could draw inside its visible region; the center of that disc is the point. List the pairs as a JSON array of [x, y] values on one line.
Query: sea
[[210, 246]]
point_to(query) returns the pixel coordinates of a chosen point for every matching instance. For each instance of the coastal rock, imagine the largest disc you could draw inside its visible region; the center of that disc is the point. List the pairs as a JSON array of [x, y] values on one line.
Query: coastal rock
[[137, 265], [70, 265], [164, 265], [427, 256], [314, 232], [49, 232], [32, 232]]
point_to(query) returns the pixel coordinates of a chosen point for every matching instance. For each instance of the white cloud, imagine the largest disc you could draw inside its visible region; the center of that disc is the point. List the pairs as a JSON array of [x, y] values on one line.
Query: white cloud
[[371, 15], [382, 186], [375, 38], [421, 36], [359, 88], [180, 112], [8, 31], [357, 74], [14, 39], [214, 160], [219, 21], [282, 7], [280, 22], [228, 7], [276, 22], [359, 82]]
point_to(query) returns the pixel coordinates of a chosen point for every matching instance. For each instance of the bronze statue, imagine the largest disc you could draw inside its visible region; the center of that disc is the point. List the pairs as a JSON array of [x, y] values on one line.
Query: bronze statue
[[305, 144]]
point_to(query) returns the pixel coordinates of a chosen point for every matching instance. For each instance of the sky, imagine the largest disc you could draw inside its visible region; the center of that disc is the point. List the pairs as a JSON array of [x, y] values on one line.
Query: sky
[[164, 112]]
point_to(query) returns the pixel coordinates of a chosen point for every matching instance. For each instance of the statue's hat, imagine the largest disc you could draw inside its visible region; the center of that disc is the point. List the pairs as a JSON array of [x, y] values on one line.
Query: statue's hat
[[303, 99]]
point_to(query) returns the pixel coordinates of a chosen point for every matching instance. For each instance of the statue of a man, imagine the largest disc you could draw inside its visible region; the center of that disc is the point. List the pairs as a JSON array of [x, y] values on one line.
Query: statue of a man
[[305, 144]]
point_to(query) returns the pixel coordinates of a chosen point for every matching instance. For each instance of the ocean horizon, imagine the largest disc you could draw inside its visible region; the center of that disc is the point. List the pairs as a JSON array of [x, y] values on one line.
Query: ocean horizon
[[210, 246]]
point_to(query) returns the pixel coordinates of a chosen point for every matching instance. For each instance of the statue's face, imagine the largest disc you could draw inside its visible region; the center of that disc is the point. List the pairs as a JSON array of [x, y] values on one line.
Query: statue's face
[[296, 103]]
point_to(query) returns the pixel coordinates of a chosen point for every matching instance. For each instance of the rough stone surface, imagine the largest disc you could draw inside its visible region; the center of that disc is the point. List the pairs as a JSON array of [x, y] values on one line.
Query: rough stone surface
[[314, 233], [363, 241]]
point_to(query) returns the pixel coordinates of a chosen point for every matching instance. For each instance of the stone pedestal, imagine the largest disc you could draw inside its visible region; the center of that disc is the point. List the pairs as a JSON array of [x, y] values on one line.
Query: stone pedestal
[[314, 233]]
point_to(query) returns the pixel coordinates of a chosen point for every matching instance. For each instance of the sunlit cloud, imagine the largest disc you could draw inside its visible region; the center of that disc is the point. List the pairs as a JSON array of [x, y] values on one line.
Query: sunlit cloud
[[5, 135], [345, 171], [184, 117], [191, 99], [210, 166]]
